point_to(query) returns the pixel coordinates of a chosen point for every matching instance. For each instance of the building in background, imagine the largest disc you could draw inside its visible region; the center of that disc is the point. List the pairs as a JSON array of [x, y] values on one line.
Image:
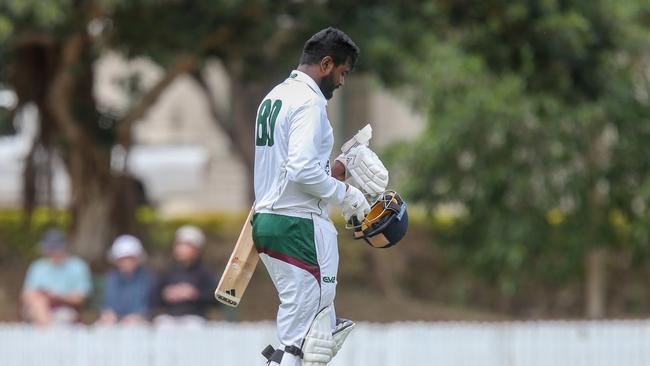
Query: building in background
[[181, 155]]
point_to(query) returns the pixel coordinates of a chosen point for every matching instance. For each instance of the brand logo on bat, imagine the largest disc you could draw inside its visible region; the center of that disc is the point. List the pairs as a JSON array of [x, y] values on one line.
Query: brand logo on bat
[[231, 292], [329, 279]]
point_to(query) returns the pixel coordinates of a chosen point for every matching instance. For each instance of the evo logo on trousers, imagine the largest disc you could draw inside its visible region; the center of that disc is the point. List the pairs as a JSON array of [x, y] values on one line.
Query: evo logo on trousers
[[329, 279]]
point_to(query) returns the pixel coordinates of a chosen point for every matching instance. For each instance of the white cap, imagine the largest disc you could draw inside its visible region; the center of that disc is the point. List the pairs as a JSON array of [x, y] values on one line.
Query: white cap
[[190, 234], [126, 246]]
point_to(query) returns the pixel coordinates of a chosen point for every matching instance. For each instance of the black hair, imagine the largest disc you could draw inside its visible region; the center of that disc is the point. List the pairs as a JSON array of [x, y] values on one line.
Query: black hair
[[329, 42]]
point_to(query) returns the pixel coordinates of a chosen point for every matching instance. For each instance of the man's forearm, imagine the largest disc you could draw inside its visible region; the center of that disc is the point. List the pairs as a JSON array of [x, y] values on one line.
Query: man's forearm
[[338, 170]]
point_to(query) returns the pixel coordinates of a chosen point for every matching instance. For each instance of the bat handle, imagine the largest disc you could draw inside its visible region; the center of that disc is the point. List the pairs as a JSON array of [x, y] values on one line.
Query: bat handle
[[362, 137]]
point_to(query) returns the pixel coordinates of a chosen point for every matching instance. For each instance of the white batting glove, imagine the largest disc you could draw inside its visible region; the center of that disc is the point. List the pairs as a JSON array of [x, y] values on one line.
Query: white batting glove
[[367, 171], [354, 204]]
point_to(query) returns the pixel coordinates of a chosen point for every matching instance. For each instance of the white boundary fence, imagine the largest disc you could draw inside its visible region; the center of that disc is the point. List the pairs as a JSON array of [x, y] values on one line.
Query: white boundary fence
[[607, 343]]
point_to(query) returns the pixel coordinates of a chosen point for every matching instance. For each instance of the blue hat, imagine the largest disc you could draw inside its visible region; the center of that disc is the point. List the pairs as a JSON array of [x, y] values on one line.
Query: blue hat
[[53, 239]]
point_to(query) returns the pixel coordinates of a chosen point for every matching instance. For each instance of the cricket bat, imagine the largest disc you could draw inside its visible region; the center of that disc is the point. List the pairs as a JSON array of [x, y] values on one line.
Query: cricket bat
[[240, 267]]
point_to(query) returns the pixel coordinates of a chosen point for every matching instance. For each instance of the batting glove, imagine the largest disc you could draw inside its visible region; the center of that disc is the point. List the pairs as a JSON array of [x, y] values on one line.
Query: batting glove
[[354, 204]]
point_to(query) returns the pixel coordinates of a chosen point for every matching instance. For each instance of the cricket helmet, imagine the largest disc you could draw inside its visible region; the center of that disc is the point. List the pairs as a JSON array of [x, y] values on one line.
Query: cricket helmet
[[386, 223]]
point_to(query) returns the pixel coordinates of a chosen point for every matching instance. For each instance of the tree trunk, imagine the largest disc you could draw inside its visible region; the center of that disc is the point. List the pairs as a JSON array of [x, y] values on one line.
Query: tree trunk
[[595, 283], [92, 197], [87, 150], [93, 229], [103, 203]]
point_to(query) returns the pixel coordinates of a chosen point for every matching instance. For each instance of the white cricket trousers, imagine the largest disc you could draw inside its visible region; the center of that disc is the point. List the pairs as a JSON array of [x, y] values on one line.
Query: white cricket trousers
[[301, 256]]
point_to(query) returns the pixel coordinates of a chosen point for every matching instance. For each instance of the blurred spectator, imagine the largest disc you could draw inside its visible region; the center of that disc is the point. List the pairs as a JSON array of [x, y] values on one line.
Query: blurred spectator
[[127, 286], [187, 287], [57, 285]]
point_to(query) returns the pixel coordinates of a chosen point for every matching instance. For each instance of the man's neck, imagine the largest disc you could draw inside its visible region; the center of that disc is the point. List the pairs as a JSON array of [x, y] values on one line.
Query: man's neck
[[58, 261], [311, 71], [189, 263]]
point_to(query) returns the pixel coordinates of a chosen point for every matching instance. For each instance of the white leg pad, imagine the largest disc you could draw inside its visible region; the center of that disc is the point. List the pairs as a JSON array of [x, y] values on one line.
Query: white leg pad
[[341, 332], [318, 348]]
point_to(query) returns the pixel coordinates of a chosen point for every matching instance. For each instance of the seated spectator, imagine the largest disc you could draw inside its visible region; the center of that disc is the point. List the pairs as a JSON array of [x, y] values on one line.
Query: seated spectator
[[187, 287], [57, 285], [127, 286]]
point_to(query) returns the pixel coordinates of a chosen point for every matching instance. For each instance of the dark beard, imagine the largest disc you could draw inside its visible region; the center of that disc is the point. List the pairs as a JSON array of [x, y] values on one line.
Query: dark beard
[[327, 86]]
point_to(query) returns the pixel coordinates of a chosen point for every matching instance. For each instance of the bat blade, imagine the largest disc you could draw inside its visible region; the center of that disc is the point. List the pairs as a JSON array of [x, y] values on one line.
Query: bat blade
[[240, 267]]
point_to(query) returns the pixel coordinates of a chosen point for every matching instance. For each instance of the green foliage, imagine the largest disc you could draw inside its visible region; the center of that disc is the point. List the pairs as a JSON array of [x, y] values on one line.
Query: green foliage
[[18, 242], [537, 131], [161, 230], [34, 15], [6, 28]]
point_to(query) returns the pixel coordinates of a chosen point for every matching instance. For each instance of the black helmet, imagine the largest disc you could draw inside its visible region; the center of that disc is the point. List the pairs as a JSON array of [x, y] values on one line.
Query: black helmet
[[385, 224]]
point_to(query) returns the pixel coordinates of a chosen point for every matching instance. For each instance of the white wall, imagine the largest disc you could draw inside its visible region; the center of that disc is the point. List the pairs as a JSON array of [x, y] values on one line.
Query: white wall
[[195, 167], [624, 343]]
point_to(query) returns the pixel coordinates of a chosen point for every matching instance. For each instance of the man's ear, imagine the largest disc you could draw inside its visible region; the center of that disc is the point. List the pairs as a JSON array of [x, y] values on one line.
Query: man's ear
[[326, 64]]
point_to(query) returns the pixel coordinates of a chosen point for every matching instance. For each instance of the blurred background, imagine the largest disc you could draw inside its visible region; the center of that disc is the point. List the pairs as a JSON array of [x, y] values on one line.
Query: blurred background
[[518, 131]]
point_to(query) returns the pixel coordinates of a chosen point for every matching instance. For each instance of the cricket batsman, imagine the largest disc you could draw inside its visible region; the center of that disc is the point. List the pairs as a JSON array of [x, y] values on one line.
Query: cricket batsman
[[294, 185]]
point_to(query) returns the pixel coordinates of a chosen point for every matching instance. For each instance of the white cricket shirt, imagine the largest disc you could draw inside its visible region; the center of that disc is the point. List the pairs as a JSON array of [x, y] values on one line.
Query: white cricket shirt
[[293, 143]]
